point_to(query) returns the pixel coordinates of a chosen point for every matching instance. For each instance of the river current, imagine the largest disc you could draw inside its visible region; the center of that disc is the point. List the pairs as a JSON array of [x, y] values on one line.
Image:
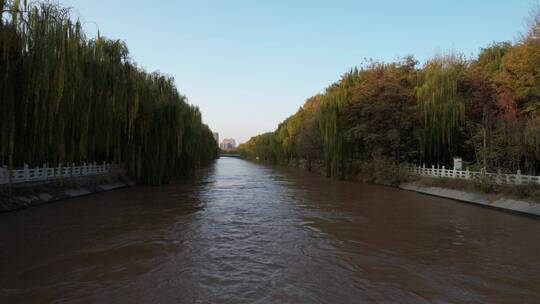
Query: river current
[[248, 233]]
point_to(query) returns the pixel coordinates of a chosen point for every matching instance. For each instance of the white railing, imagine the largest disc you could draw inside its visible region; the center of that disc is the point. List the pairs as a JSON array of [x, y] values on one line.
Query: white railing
[[494, 178], [45, 173]]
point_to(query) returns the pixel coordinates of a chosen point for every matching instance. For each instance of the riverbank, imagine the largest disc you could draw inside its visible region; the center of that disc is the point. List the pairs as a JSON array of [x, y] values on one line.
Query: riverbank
[[520, 199], [483, 199], [22, 196]]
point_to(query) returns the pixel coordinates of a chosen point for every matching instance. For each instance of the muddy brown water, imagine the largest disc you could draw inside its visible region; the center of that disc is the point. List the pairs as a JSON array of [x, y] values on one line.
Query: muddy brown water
[[248, 233]]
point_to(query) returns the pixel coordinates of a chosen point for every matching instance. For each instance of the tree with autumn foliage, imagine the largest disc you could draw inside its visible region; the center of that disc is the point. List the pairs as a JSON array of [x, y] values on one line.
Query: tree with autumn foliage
[[485, 110]]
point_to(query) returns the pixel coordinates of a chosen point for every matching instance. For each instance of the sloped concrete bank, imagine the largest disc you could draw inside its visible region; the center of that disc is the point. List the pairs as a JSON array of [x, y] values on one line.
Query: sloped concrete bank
[[29, 195], [507, 204]]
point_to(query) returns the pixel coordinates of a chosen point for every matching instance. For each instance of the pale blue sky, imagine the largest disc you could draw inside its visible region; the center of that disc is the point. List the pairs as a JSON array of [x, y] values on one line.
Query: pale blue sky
[[250, 64]]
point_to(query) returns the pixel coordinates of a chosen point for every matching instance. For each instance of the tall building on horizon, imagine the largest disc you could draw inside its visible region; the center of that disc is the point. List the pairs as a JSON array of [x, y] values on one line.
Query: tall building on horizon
[[228, 144], [216, 137]]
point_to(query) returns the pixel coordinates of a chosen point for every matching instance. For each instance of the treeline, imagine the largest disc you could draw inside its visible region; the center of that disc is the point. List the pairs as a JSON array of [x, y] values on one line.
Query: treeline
[[485, 110], [67, 99]]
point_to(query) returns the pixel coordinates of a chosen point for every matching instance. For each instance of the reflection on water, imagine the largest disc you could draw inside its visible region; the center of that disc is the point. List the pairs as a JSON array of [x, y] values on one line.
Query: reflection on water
[[245, 233]]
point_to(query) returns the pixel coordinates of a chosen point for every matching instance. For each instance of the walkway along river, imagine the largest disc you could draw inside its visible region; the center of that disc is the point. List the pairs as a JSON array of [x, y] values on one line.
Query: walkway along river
[[248, 233]]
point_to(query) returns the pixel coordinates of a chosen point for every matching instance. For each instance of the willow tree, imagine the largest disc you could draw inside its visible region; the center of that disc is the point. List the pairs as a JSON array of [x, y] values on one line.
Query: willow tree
[[264, 147], [68, 99], [441, 103], [331, 124], [287, 133], [11, 44]]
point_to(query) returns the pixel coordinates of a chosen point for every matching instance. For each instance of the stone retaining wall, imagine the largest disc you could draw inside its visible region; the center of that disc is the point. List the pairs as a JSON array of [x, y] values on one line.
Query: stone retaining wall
[[34, 195]]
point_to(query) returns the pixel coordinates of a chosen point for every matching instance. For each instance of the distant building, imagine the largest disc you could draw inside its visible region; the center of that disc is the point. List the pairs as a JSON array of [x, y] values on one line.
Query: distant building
[[228, 144], [216, 137]]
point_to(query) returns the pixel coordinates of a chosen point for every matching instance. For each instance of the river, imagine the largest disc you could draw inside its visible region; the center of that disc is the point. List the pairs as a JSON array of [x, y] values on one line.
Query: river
[[247, 233]]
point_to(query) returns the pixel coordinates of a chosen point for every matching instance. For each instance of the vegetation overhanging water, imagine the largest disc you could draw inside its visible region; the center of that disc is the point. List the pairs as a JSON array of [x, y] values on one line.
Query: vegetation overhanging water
[[67, 99]]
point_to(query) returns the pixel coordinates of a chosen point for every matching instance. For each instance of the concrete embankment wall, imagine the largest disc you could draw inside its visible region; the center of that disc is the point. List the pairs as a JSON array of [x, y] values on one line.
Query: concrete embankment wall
[[513, 205], [34, 195]]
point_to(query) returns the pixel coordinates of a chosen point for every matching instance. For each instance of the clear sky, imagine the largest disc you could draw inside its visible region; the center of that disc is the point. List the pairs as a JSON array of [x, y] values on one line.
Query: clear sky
[[250, 64]]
